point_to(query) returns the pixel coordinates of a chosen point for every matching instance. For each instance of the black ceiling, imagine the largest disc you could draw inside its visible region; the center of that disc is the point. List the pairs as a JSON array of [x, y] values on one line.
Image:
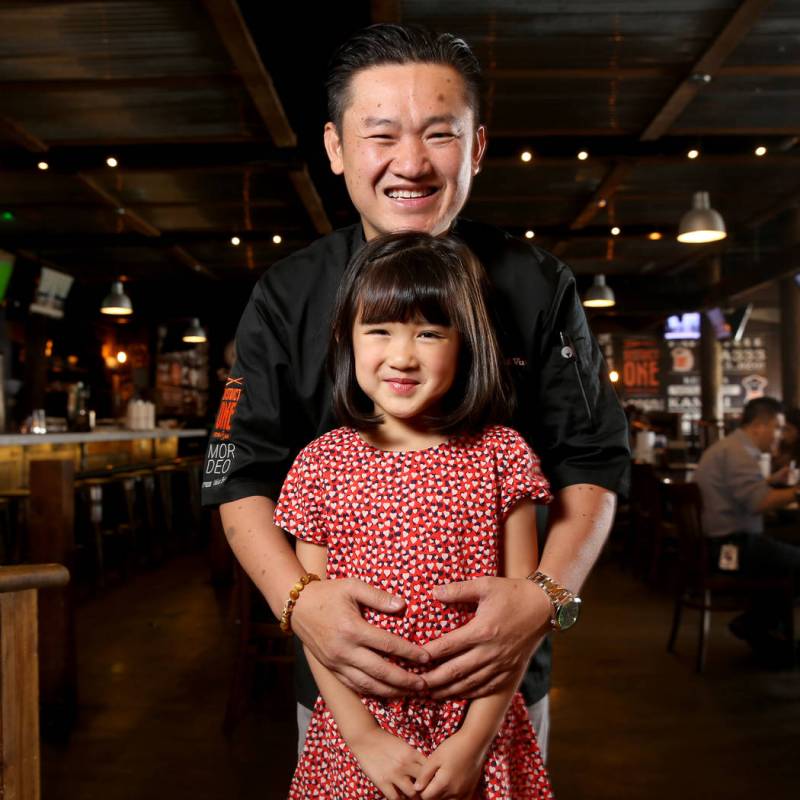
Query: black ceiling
[[215, 111]]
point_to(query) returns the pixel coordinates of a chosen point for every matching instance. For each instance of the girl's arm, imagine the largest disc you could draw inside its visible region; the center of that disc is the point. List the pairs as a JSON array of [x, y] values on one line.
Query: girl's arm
[[390, 763], [454, 768]]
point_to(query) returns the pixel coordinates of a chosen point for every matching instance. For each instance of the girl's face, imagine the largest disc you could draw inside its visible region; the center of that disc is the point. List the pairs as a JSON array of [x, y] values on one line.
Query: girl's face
[[405, 368]]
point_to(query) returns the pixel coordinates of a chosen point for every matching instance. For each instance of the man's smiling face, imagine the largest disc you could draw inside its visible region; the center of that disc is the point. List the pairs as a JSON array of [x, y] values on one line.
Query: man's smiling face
[[408, 147]]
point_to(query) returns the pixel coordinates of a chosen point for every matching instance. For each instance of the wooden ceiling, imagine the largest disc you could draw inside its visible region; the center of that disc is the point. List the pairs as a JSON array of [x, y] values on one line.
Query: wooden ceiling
[[214, 111]]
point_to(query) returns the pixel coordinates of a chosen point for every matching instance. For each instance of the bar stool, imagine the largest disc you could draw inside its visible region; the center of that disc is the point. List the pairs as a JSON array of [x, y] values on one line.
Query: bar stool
[[164, 475]]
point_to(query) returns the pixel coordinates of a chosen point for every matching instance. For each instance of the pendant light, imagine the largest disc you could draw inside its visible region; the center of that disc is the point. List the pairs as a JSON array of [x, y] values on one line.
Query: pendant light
[[116, 302], [194, 334], [701, 223], [599, 295]]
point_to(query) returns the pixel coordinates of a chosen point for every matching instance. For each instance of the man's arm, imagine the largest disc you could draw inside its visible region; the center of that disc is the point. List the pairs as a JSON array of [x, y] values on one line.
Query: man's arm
[[327, 617], [513, 615], [777, 498]]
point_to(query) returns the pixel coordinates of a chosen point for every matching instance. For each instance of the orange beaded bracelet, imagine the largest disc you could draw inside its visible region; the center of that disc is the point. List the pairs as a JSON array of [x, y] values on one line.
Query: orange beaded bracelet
[[294, 593]]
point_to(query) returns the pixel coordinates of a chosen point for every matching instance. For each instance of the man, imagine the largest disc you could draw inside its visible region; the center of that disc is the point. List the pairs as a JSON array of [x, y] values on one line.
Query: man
[[404, 132], [735, 496]]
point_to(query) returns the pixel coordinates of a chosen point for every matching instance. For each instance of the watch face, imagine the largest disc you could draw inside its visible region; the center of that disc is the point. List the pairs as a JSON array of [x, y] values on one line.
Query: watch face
[[567, 614]]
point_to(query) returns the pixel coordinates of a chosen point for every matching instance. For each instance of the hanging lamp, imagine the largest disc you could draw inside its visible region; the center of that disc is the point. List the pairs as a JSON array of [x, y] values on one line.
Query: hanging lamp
[[116, 302], [701, 223], [194, 334], [599, 295]]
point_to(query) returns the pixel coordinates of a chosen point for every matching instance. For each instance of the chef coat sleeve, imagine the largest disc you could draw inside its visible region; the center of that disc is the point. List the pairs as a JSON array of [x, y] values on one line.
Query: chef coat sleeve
[[250, 449], [581, 433]]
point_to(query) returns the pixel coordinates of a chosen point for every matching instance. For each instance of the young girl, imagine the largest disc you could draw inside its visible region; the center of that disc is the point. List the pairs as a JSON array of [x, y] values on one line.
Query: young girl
[[421, 488]]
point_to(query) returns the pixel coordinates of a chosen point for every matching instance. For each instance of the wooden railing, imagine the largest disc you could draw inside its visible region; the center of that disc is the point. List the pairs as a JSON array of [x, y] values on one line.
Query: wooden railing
[[19, 676]]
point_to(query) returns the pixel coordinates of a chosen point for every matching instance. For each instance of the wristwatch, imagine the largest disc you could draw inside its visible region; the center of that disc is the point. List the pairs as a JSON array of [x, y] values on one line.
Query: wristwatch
[[566, 604]]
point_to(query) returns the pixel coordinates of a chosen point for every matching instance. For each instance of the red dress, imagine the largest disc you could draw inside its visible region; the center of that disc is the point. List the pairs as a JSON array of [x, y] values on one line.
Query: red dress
[[406, 522]]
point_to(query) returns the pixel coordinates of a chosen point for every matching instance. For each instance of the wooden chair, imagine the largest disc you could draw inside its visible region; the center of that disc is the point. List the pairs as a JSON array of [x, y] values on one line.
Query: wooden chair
[[700, 586], [651, 533], [19, 676]]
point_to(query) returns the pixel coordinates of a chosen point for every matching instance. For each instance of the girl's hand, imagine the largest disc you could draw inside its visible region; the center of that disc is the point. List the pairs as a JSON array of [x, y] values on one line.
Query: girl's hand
[[390, 763], [453, 770]]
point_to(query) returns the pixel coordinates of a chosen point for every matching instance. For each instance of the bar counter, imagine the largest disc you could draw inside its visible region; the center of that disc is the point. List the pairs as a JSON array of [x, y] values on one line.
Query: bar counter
[[95, 450]]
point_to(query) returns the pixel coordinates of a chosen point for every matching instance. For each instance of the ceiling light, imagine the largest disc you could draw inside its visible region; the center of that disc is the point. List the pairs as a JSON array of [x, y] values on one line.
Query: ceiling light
[[615, 231], [701, 223], [655, 236], [116, 302], [602, 202], [194, 333], [583, 155], [277, 239], [529, 234], [526, 156], [43, 165], [122, 357], [235, 241], [761, 150], [111, 161], [693, 153], [599, 295]]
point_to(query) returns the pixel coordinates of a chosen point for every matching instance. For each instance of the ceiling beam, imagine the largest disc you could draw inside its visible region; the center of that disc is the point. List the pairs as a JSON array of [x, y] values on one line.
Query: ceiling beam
[[241, 48], [18, 134], [310, 198], [637, 73], [739, 25], [604, 192], [243, 53], [218, 80]]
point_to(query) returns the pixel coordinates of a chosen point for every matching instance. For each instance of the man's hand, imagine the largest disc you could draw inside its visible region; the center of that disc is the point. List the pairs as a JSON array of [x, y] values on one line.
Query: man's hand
[[452, 771], [492, 650], [328, 620], [389, 762]]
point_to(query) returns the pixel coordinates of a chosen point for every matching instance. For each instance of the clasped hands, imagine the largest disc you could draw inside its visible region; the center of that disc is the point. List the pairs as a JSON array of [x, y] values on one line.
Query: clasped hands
[[487, 654]]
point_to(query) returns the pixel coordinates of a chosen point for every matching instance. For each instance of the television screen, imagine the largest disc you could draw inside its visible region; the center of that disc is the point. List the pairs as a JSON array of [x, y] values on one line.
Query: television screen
[[6, 268], [721, 326], [683, 326]]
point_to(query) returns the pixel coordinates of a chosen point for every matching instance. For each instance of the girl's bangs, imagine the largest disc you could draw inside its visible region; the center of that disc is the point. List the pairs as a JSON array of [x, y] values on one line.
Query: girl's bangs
[[401, 295]]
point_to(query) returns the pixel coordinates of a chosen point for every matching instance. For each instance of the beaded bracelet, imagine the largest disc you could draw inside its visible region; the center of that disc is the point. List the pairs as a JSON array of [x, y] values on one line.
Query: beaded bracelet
[[294, 593]]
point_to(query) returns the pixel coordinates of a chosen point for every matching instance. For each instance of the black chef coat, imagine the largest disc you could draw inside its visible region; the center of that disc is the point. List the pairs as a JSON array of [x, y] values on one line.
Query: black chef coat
[[278, 396]]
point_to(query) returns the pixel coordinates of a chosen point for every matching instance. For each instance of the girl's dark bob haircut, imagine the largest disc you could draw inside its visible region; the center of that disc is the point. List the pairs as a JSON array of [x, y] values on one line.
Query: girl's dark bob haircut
[[405, 276]]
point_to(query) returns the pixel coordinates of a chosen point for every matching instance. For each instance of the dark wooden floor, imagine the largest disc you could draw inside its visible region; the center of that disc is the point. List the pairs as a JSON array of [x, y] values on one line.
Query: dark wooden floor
[[629, 720]]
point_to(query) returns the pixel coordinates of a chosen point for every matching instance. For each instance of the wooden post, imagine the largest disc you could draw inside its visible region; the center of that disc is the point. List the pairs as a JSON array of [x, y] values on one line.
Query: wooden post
[[711, 366], [19, 677], [790, 342], [51, 538]]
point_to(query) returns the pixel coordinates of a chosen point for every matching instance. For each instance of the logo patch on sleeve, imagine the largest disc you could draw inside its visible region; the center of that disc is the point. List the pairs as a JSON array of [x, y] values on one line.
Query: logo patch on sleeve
[[227, 408]]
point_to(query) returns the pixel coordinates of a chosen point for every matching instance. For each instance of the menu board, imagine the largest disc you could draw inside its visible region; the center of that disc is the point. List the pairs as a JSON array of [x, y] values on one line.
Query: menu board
[[664, 375]]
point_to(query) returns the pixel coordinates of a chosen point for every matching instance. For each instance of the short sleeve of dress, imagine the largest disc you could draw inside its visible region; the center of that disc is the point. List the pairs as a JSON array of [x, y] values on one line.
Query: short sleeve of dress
[[299, 509], [518, 472]]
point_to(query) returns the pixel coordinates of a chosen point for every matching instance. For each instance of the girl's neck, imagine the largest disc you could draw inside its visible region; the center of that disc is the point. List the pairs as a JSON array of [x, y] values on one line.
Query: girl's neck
[[397, 434]]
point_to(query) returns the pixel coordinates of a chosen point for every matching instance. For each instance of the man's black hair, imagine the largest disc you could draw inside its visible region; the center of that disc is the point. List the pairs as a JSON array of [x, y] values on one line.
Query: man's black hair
[[386, 43], [761, 409]]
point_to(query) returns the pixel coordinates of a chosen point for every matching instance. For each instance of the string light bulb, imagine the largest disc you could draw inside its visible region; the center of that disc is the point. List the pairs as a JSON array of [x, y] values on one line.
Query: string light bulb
[[761, 151], [615, 231], [43, 165], [235, 241], [693, 153], [583, 155], [613, 376], [529, 234], [112, 162], [277, 239], [526, 156]]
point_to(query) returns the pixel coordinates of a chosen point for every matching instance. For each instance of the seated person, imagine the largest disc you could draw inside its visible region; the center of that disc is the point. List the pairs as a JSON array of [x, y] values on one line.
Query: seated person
[[735, 497], [789, 449]]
